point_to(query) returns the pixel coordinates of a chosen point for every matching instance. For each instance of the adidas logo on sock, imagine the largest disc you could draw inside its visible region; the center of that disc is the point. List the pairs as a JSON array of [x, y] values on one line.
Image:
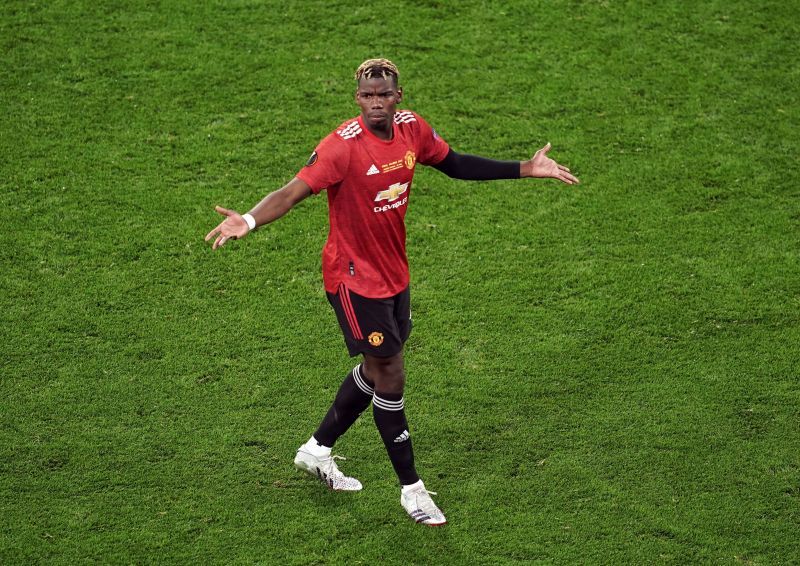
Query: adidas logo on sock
[[372, 170], [403, 437]]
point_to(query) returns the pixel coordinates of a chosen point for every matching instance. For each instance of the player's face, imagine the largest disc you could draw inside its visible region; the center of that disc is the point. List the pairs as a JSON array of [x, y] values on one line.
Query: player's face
[[377, 99]]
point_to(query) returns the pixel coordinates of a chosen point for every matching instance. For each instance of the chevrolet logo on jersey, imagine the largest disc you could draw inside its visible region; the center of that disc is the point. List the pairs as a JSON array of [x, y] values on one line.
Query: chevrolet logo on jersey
[[392, 193]]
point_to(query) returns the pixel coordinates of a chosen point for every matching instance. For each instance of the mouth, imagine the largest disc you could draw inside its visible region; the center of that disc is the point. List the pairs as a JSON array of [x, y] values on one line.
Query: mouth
[[376, 116]]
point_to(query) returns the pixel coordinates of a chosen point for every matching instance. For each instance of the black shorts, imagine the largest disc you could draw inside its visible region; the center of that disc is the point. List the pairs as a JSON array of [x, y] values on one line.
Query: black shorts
[[376, 327]]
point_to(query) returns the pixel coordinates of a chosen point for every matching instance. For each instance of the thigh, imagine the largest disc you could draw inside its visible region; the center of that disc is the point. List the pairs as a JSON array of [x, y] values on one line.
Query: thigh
[[386, 373]]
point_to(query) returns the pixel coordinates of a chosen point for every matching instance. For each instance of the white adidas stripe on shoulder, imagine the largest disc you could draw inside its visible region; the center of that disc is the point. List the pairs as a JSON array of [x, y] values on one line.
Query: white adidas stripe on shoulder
[[351, 130], [404, 117], [351, 126]]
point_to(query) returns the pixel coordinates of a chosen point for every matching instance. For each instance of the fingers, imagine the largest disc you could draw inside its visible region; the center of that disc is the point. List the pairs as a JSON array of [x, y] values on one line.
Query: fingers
[[214, 231], [221, 237], [568, 178], [220, 241], [545, 149], [218, 231], [554, 169]]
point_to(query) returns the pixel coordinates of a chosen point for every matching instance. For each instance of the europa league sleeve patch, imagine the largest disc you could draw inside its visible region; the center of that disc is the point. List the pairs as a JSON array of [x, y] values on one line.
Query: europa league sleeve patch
[[312, 160]]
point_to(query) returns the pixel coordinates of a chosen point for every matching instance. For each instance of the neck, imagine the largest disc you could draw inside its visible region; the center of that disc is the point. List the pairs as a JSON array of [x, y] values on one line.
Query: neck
[[384, 132]]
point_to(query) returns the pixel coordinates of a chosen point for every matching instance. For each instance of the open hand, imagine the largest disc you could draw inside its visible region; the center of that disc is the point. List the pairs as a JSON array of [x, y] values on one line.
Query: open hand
[[542, 166], [234, 226]]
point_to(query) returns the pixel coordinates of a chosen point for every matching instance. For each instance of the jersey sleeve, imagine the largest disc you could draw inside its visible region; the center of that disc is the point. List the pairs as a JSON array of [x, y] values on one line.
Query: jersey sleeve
[[327, 165], [432, 148]]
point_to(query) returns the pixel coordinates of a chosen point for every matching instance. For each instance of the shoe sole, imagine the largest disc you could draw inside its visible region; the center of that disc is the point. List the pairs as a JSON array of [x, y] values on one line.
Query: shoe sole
[[429, 524], [424, 523]]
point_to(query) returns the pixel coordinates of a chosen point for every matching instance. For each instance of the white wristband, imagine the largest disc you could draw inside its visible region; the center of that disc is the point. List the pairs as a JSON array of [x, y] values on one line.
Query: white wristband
[[251, 222]]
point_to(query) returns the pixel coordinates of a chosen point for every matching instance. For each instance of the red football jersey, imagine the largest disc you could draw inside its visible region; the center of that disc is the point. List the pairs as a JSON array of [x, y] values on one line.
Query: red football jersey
[[369, 183]]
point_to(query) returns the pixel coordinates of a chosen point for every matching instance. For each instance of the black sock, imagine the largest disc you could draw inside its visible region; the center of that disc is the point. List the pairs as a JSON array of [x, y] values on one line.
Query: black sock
[[353, 397], [390, 418]]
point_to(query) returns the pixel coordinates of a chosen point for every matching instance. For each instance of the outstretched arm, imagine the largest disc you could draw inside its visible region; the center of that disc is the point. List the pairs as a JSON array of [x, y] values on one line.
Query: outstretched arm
[[476, 168], [271, 207]]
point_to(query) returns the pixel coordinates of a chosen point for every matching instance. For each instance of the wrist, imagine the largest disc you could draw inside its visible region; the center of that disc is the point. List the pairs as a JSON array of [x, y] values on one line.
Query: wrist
[[251, 222]]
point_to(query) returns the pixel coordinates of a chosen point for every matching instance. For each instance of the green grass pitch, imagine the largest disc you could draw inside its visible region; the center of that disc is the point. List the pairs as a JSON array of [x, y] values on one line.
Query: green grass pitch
[[606, 373]]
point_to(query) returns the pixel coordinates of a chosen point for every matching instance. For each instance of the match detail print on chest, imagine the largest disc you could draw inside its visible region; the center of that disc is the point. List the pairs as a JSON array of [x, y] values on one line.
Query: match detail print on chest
[[395, 165], [407, 161]]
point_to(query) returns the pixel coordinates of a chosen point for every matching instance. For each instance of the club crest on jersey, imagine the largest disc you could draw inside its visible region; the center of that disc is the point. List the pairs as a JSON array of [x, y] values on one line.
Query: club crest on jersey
[[392, 193], [410, 159]]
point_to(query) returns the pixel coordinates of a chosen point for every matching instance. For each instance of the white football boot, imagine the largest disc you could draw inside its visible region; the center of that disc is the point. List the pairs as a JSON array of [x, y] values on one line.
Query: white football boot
[[325, 470], [418, 504]]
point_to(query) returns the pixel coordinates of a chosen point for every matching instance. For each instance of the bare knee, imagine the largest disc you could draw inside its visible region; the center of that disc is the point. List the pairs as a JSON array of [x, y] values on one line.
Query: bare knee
[[386, 373]]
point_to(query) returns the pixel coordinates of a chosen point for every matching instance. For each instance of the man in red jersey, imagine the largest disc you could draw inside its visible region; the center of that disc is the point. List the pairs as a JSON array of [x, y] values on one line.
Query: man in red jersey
[[367, 165]]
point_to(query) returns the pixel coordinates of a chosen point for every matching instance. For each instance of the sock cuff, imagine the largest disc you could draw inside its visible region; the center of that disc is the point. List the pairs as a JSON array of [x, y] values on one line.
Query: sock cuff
[[361, 382], [316, 448], [386, 404], [417, 484]]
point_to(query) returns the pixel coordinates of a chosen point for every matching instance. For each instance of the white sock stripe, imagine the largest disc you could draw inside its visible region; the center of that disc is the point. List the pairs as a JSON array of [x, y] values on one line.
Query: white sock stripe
[[360, 383], [386, 402], [388, 405]]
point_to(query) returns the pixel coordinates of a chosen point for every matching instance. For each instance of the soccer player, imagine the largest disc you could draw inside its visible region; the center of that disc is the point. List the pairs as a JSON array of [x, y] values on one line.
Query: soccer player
[[367, 165]]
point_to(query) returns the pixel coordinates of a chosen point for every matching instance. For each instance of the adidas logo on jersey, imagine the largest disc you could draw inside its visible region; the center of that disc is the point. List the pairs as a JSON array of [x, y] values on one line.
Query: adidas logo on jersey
[[402, 438], [372, 170]]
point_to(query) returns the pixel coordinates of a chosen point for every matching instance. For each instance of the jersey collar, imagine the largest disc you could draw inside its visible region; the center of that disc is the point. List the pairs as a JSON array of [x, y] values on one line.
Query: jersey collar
[[373, 136]]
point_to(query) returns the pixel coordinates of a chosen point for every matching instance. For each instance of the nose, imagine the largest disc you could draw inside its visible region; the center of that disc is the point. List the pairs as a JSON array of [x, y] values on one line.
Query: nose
[[377, 103]]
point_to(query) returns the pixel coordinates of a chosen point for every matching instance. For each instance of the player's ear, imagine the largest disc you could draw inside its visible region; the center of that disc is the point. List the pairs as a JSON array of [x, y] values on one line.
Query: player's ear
[[399, 94]]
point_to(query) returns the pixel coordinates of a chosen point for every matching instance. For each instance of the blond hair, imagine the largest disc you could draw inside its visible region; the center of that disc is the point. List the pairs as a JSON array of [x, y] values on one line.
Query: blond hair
[[377, 68]]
